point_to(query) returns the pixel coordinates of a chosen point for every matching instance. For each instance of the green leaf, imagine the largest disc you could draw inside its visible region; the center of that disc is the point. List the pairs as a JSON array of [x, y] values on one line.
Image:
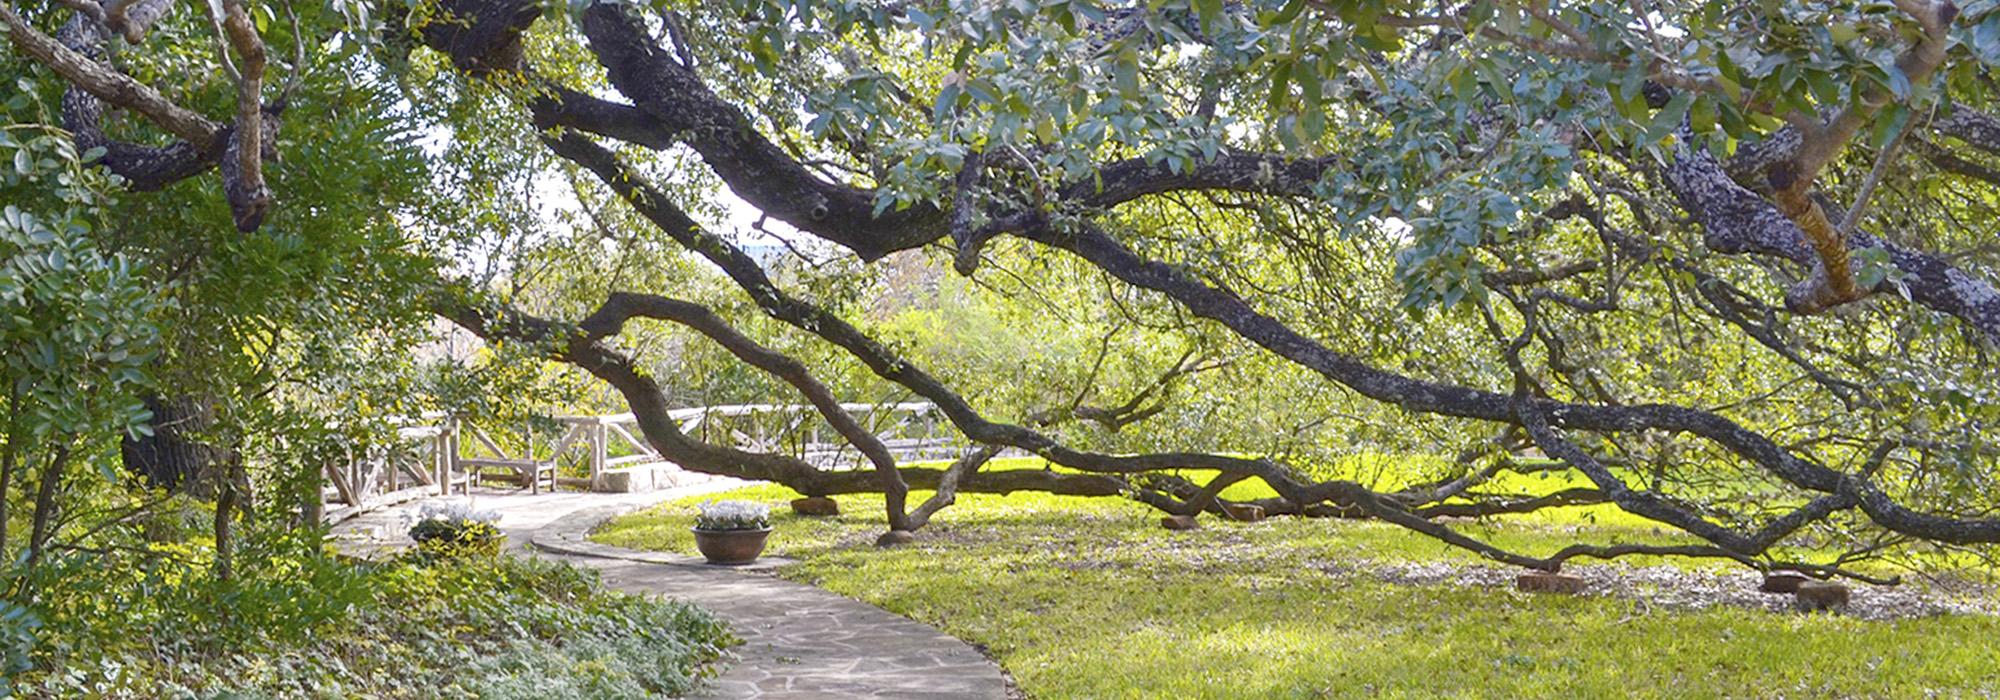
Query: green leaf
[[1463, 84], [1125, 72], [1290, 12], [1888, 124], [1309, 89], [1281, 77], [1702, 116], [1669, 117], [1210, 12], [1898, 83], [1479, 15], [1503, 87], [1824, 89]]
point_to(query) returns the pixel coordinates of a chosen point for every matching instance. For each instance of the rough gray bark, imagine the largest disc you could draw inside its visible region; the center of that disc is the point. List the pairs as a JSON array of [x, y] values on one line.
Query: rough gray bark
[[755, 168], [175, 456], [132, 18], [1737, 221], [77, 53]]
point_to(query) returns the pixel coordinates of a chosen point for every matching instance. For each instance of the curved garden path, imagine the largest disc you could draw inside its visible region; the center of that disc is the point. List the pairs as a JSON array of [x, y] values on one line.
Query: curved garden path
[[799, 641]]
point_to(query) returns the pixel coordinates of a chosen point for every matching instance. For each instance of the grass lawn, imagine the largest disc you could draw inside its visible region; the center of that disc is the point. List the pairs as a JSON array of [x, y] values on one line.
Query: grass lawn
[[1090, 598]]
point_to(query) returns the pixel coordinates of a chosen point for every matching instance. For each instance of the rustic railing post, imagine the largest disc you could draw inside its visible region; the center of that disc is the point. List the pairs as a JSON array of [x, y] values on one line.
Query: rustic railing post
[[599, 451], [533, 470], [441, 454]]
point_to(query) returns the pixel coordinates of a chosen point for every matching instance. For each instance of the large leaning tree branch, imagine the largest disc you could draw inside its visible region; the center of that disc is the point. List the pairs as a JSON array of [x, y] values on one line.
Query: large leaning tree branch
[[584, 348], [1736, 220], [240, 148], [104, 82], [1295, 495], [610, 318], [671, 104], [756, 169], [1792, 181], [1462, 402], [670, 101], [144, 168], [1934, 282], [744, 270], [570, 344]]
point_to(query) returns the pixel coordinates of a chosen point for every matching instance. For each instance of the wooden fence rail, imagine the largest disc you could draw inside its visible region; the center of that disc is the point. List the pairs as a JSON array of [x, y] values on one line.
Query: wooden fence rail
[[439, 455]]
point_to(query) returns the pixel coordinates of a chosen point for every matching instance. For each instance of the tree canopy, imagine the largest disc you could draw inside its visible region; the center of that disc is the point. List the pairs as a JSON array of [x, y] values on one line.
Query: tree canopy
[[1731, 262]]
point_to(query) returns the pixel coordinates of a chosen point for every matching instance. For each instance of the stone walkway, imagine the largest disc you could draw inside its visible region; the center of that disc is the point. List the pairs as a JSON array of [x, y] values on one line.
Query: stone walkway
[[799, 641]]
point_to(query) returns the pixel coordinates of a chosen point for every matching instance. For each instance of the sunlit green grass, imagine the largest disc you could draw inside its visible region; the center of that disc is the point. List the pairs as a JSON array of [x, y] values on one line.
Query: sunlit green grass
[[665, 527], [1090, 598]]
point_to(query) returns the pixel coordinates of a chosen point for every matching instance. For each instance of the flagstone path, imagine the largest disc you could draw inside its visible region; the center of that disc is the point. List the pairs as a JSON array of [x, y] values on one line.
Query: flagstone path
[[800, 642]]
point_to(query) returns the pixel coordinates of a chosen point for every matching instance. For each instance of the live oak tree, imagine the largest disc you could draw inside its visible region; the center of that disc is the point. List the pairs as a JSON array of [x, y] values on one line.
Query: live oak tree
[[1732, 263]]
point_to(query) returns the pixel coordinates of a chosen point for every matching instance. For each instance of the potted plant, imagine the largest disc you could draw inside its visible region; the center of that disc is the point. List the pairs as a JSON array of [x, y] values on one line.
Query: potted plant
[[732, 532], [452, 529]]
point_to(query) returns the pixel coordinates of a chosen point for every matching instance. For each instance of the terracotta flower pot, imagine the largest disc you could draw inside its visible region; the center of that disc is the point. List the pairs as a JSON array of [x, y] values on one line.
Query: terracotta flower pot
[[730, 546]]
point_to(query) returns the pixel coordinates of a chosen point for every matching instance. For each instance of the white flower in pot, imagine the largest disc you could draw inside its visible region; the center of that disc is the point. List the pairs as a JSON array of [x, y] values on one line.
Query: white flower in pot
[[732, 532]]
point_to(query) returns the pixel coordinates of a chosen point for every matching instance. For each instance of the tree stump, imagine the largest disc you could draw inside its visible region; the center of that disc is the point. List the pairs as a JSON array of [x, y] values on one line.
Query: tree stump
[[1549, 582], [1782, 582], [1180, 522], [894, 538], [1243, 512], [815, 506], [1813, 596]]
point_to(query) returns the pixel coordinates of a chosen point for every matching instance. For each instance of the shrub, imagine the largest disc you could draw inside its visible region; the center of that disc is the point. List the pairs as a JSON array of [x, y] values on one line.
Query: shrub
[[446, 530], [17, 641], [733, 515], [449, 628]]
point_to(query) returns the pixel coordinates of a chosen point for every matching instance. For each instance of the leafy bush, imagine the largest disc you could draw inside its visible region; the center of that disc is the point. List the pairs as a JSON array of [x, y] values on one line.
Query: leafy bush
[[447, 529], [17, 640], [466, 627], [733, 515]]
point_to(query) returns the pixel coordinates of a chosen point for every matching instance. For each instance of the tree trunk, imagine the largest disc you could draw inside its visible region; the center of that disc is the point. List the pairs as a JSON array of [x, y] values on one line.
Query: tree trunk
[[174, 457], [8, 457], [225, 544], [45, 505], [312, 503]]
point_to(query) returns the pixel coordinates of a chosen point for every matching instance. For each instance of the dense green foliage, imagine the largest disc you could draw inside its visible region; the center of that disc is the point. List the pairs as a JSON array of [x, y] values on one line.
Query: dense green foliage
[[451, 539], [318, 627], [295, 345]]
